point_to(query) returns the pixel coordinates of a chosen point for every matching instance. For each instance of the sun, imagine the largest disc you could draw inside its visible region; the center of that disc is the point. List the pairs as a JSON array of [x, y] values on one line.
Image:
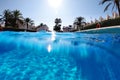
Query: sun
[[55, 3]]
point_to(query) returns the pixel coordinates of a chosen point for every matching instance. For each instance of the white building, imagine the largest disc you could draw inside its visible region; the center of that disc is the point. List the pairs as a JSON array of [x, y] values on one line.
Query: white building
[[115, 15], [96, 21], [68, 28], [101, 18], [43, 27], [108, 17]]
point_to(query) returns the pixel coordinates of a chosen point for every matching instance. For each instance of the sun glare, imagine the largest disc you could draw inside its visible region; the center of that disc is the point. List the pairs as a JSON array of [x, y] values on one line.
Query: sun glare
[[55, 3], [49, 48]]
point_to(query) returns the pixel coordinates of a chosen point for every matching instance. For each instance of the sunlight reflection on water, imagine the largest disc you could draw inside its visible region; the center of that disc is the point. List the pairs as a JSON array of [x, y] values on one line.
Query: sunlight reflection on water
[[49, 48]]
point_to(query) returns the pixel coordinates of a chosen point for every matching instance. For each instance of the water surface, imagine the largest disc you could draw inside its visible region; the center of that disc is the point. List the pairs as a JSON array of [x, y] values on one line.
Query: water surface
[[59, 56]]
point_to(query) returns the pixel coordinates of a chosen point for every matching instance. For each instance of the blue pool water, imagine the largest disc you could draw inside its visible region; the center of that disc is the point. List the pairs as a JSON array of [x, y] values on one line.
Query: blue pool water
[[59, 56]]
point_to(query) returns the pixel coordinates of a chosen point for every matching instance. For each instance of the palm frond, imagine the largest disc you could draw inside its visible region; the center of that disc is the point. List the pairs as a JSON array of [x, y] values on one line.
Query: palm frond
[[16, 14], [103, 1], [113, 7], [58, 20], [106, 8], [29, 21]]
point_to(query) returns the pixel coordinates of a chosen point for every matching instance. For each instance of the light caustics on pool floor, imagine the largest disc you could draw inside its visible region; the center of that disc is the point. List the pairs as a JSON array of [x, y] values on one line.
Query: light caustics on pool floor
[[59, 56]]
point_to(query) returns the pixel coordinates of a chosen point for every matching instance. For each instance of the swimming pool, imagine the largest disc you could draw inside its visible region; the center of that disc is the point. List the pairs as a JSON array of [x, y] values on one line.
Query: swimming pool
[[59, 56]]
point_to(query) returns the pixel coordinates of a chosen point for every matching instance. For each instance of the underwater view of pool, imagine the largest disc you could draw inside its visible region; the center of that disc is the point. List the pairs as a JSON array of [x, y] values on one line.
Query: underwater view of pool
[[59, 56]]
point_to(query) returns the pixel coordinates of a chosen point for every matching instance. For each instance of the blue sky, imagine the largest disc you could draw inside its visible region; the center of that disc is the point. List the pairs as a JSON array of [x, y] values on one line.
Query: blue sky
[[42, 12]]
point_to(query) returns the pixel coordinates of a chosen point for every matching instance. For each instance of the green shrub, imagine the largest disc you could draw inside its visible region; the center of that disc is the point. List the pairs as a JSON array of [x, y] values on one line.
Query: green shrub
[[105, 23]]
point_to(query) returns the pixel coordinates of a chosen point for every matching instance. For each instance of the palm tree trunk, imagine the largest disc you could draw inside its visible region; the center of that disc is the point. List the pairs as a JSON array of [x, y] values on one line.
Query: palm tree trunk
[[6, 23], [119, 11], [78, 27], [27, 26], [117, 3]]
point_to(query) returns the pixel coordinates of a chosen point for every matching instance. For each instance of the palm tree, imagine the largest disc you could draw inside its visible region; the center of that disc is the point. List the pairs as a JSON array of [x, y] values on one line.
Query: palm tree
[[57, 21], [79, 21], [57, 26], [41, 24], [7, 17], [29, 22], [116, 3], [16, 16], [10, 17]]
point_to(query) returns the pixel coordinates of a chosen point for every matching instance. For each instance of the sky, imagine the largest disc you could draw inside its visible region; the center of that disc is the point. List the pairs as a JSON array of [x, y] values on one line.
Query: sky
[[45, 11]]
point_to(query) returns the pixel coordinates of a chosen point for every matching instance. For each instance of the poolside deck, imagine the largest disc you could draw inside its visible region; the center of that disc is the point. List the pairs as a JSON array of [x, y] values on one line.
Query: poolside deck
[[111, 29]]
